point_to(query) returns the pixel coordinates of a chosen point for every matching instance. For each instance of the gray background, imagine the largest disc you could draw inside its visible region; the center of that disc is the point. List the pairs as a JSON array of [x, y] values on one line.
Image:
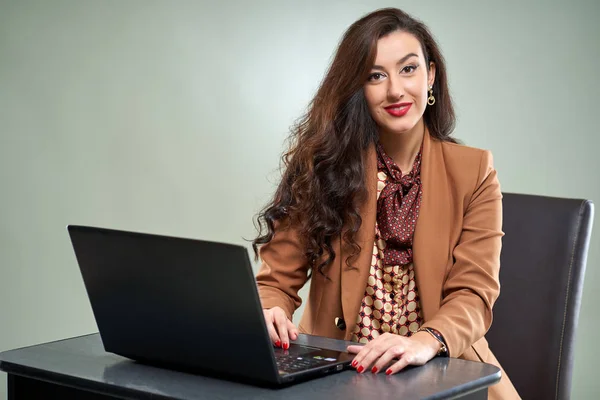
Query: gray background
[[170, 117]]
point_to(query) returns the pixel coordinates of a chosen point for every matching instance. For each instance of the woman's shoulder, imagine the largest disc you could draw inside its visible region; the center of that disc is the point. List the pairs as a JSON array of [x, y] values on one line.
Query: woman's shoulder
[[466, 165], [463, 156]]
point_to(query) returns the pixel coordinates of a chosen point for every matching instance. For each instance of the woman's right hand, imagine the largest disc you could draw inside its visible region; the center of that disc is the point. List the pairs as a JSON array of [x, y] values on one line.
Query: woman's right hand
[[280, 328]]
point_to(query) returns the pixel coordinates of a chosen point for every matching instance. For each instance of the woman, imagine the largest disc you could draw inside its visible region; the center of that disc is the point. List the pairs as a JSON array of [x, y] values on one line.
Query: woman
[[397, 225]]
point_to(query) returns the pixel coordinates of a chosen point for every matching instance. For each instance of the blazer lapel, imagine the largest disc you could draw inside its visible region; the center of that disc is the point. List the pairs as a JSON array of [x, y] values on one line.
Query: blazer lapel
[[354, 280], [431, 242]]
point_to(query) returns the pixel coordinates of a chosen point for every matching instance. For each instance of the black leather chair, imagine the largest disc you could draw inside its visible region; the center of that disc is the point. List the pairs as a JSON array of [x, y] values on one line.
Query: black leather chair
[[543, 261]]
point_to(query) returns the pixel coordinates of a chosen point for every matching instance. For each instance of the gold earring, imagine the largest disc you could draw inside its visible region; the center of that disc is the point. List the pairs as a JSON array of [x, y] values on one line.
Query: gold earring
[[431, 99]]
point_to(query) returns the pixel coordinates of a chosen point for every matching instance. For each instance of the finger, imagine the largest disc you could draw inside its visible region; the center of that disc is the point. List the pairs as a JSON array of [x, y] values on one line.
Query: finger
[[292, 330], [281, 324], [365, 357], [271, 329], [406, 359], [394, 352], [354, 349], [362, 350], [376, 349], [357, 348], [365, 348]]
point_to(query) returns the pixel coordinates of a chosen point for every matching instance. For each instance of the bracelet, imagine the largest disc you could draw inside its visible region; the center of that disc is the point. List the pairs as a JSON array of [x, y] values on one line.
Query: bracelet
[[443, 351]]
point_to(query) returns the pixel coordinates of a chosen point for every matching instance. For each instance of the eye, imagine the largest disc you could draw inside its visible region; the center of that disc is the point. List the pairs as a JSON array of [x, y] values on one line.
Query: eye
[[409, 69], [377, 76]]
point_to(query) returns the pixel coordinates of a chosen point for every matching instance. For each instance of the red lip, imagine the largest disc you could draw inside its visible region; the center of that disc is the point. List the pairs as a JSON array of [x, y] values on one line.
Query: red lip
[[399, 109]]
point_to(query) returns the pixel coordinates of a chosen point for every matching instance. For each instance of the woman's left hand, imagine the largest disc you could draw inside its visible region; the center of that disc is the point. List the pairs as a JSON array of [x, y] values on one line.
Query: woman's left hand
[[381, 351]]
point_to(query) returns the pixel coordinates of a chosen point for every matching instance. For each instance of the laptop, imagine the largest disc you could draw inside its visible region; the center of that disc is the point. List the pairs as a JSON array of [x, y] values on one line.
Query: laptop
[[187, 304]]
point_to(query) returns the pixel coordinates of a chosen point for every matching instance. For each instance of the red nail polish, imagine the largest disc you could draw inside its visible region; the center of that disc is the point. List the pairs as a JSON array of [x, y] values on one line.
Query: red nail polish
[[354, 363], [278, 344], [286, 346], [374, 369], [388, 372], [360, 369]]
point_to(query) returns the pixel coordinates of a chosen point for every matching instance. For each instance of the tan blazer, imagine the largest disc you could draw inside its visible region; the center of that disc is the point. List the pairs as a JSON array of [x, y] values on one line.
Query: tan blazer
[[456, 255]]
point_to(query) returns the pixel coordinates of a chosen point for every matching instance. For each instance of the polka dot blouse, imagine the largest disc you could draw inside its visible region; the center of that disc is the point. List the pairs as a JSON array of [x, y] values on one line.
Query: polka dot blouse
[[391, 302]]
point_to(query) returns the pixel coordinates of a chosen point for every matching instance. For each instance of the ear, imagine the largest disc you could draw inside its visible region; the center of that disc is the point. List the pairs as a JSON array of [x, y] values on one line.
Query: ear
[[431, 74]]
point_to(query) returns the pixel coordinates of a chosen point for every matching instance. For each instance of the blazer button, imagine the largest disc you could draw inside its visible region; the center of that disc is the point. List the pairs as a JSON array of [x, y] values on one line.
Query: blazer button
[[340, 323]]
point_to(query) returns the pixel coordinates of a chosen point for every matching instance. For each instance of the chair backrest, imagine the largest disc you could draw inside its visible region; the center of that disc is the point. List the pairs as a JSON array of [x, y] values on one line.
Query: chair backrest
[[543, 260]]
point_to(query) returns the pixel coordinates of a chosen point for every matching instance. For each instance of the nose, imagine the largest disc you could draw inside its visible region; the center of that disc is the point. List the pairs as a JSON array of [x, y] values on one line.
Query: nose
[[395, 89]]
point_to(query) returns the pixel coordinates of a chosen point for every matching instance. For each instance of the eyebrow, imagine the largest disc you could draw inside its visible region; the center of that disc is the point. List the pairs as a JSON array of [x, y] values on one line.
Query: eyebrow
[[403, 59]]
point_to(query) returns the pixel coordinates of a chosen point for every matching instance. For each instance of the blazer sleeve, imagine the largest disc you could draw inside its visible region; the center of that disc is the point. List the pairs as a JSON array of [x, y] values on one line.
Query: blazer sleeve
[[283, 272], [472, 284]]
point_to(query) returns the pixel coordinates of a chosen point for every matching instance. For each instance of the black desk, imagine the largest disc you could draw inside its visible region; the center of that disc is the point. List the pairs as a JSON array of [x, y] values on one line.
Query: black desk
[[79, 368]]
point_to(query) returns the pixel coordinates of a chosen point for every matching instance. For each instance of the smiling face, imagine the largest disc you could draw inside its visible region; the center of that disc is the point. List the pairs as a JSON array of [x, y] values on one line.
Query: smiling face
[[396, 90]]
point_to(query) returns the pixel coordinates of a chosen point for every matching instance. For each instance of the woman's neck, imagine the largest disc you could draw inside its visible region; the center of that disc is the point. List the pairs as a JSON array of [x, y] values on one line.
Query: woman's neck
[[403, 147]]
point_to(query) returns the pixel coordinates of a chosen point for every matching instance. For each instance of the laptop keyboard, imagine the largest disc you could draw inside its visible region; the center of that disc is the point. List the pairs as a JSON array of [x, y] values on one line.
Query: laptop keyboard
[[288, 363]]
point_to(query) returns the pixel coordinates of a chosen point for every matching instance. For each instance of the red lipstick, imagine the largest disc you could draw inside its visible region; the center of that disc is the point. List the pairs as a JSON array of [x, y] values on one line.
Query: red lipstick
[[398, 110]]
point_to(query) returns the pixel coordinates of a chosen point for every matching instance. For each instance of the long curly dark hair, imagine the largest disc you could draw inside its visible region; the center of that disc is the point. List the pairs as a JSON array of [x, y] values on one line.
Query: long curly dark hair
[[322, 185]]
